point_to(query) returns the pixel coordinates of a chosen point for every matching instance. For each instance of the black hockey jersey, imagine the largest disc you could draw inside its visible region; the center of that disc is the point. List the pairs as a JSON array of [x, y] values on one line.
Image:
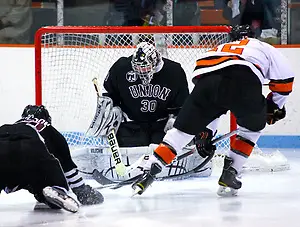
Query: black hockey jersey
[[53, 139], [147, 103]]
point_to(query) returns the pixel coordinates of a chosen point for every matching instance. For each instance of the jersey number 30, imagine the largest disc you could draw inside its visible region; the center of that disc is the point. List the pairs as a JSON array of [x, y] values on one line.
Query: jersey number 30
[[148, 105]]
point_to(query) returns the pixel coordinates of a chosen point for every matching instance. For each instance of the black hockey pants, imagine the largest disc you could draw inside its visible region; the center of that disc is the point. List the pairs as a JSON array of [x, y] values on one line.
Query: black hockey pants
[[135, 134], [25, 162], [235, 88]]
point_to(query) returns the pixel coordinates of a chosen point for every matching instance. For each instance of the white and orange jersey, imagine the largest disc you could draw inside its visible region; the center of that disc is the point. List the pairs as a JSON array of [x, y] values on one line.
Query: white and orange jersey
[[263, 59]]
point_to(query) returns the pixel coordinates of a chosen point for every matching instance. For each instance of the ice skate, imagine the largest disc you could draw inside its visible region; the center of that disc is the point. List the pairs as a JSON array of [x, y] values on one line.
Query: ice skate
[[86, 195], [43, 204], [59, 197], [146, 180], [229, 184]]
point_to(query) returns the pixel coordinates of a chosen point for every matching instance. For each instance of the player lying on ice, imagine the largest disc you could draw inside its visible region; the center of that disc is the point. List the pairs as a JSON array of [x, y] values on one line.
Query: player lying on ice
[[149, 91], [229, 77], [56, 144], [25, 163]]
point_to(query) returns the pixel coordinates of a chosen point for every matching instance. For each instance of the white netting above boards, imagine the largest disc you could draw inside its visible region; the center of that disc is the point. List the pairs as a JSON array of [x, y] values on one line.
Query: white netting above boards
[[68, 58]]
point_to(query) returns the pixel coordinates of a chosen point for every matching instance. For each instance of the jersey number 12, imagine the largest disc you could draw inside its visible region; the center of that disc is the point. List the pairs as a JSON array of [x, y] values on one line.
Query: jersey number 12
[[235, 48]]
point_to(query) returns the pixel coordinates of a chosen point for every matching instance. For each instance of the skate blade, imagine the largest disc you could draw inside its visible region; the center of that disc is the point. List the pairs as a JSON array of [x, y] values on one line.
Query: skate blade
[[226, 191], [66, 202], [41, 206], [137, 190]]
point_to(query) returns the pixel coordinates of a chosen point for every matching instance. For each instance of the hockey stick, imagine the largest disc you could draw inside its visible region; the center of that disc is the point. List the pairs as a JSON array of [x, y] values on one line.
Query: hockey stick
[[107, 183], [100, 178], [112, 142]]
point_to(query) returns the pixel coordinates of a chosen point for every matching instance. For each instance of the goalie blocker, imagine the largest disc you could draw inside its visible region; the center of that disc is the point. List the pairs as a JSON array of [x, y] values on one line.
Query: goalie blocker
[[106, 119]]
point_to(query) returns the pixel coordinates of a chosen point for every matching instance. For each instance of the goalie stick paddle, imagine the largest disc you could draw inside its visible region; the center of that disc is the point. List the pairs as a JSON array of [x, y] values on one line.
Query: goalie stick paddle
[[107, 183], [112, 142]]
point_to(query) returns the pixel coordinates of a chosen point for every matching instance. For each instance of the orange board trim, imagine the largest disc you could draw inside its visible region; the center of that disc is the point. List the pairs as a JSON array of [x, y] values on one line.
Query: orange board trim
[[32, 45]]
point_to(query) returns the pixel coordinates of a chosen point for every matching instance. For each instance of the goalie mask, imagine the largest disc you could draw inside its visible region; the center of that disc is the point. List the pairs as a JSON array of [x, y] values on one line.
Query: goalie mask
[[35, 111], [144, 61]]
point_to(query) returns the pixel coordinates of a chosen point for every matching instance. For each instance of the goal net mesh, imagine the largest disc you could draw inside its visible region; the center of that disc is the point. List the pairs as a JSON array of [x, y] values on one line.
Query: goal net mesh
[[68, 58]]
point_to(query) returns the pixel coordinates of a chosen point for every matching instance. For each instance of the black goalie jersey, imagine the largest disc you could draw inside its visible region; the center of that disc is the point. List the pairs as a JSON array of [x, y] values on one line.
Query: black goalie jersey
[[147, 103]]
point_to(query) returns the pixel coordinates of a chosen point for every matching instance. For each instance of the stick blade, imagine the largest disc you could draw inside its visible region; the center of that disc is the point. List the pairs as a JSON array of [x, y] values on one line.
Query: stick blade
[[99, 177]]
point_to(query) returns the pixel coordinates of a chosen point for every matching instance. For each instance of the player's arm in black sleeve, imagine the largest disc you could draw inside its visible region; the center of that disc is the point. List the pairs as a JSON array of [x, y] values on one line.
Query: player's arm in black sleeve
[[181, 94], [58, 146], [111, 84]]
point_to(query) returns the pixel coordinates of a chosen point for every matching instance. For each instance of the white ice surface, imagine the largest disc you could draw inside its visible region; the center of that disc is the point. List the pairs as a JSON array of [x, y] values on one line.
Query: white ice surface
[[266, 199]]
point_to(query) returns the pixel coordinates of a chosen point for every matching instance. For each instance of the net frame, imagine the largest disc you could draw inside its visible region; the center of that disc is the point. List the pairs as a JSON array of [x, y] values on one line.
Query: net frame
[[61, 30]]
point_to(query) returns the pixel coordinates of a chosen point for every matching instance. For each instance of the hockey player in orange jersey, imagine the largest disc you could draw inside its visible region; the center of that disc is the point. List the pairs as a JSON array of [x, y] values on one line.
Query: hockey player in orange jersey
[[229, 77]]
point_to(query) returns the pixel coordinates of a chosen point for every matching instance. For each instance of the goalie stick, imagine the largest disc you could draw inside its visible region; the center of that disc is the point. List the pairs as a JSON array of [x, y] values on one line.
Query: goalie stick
[[107, 183], [112, 142]]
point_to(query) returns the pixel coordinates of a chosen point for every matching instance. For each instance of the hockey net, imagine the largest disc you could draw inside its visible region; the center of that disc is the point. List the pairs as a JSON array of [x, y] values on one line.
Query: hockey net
[[68, 58]]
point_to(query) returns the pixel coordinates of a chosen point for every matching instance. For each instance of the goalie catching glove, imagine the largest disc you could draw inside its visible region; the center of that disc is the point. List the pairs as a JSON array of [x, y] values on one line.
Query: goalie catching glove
[[107, 117], [203, 143], [274, 113]]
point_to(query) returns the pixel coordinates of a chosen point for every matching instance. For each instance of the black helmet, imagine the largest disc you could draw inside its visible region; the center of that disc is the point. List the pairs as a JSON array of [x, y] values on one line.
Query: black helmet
[[241, 31], [35, 111]]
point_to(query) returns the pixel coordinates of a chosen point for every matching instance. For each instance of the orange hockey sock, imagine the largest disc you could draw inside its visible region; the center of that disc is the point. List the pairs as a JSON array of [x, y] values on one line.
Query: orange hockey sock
[[165, 153]]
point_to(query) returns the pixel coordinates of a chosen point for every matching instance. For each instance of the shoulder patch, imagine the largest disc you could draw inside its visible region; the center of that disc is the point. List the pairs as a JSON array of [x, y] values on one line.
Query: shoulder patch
[[131, 76]]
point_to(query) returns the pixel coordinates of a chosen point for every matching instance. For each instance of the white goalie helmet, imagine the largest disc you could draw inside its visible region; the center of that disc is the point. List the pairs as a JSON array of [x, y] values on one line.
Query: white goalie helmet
[[144, 61]]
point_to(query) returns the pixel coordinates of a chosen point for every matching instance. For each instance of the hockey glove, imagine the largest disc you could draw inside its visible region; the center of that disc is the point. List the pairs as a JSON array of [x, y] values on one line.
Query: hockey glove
[[274, 113], [203, 143]]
